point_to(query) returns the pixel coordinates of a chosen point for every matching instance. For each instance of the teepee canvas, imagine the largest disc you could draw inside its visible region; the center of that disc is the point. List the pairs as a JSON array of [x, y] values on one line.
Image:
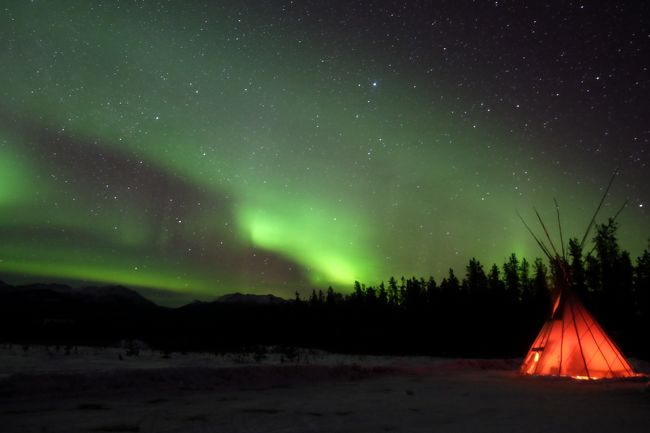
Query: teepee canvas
[[571, 343]]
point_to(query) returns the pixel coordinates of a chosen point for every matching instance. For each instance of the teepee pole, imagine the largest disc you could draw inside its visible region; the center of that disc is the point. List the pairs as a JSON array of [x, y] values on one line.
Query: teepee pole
[[559, 224], [609, 367], [546, 232], [620, 210], [561, 348], [547, 334], [578, 337], [539, 242], [613, 219], [602, 200]]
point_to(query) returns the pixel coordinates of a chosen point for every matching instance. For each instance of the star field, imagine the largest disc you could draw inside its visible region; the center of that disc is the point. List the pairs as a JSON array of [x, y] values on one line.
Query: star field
[[200, 148]]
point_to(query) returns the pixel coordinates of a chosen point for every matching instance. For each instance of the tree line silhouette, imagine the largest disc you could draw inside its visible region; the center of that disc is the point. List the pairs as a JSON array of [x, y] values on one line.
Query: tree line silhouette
[[498, 311]]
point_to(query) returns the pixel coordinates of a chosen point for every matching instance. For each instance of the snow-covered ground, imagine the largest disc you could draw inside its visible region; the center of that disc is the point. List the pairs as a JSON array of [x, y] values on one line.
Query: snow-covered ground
[[93, 389]]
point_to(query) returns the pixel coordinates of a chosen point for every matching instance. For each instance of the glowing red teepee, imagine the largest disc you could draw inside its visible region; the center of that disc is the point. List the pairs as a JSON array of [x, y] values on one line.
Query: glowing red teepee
[[573, 344]]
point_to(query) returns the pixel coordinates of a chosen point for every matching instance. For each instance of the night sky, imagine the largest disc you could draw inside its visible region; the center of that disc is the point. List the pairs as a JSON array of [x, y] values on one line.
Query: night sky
[[207, 147]]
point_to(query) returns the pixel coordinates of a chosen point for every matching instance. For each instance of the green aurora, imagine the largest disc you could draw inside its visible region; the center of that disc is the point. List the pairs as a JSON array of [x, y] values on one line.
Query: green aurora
[[201, 149]]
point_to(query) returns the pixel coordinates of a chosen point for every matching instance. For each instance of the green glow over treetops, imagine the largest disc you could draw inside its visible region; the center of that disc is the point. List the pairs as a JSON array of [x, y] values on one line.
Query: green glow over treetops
[[333, 249], [208, 147]]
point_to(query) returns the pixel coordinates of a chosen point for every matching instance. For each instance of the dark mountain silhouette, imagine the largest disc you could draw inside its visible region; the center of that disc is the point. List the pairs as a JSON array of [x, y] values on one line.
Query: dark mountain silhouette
[[117, 294], [61, 292], [246, 298], [57, 313]]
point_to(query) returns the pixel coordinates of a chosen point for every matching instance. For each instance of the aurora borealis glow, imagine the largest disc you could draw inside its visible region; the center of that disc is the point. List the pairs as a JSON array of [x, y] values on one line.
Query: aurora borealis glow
[[206, 147]]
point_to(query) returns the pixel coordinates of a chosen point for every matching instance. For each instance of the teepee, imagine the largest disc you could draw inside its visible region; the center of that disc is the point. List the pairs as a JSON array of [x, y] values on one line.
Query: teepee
[[571, 343]]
